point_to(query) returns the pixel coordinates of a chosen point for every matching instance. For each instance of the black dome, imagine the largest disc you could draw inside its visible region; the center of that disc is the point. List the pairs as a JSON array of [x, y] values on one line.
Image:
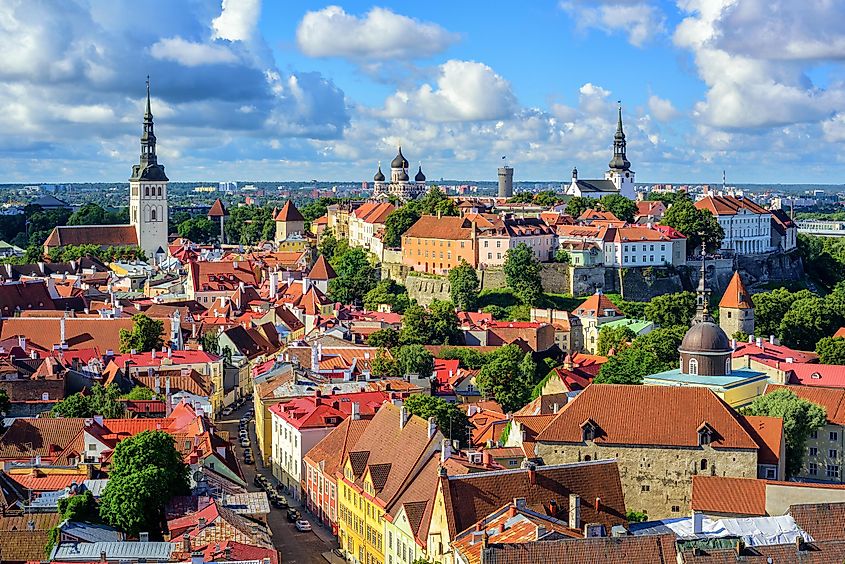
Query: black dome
[[379, 177], [420, 177], [705, 337], [399, 161], [403, 176]]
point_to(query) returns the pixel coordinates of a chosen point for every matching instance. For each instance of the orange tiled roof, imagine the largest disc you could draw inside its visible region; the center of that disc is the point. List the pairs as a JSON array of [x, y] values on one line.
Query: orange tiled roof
[[831, 399], [595, 306], [648, 415], [103, 235], [766, 432], [289, 213], [729, 205], [217, 209], [823, 521], [736, 296], [433, 227], [720, 494], [322, 270], [374, 212]]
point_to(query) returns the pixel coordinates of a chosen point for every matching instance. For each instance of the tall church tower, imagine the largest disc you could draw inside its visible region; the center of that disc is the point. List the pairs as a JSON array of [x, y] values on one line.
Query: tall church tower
[[620, 172], [148, 208]]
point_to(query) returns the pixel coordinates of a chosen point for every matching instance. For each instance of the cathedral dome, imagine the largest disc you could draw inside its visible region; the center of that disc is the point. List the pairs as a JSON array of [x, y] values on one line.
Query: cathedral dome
[[379, 177], [399, 161], [420, 177], [705, 337], [402, 176]]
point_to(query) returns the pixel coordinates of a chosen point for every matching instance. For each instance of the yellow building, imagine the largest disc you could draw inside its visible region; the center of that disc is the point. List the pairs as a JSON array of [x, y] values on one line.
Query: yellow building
[[380, 476]]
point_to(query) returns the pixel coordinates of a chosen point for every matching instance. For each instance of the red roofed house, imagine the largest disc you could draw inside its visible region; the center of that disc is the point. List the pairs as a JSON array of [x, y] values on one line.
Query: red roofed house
[[747, 226], [824, 459], [365, 222], [649, 211], [321, 273], [301, 423], [208, 282], [575, 373], [596, 310], [660, 435], [643, 245]]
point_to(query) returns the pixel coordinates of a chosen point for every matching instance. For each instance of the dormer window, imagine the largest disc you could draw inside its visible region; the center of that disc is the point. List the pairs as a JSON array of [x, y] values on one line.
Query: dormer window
[[589, 430], [705, 434]]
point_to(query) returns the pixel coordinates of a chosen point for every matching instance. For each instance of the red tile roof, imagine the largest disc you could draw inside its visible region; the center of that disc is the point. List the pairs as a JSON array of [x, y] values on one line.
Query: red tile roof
[[289, 213], [102, 235], [720, 494], [217, 209], [832, 375], [729, 205], [221, 276], [770, 352], [374, 212], [433, 227], [651, 549], [823, 521], [831, 399], [322, 270], [333, 448], [648, 415], [766, 432], [328, 411], [596, 306], [736, 296]]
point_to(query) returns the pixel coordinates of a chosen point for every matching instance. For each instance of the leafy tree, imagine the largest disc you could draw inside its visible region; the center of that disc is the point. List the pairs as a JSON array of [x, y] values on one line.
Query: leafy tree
[[579, 204], [636, 516], [468, 357], [210, 341], [317, 208], [697, 225], [522, 272], [331, 245], [435, 201], [631, 310], [146, 472], [562, 256], [89, 214], [522, 198], [139, 393], [614, 337], [663, 342], [415, 359], [770, 308], [497, 311], [145, 335], [78, 508], [198, 229], [101, 401], [384, 365], [669, 198], [355, 277], [548, 198], [620, 206], [444, 323], [384, 338], [671, 309], [437, 325], [508, 377], [823, 257], [451, 420], [800, 418], [831, 350], [807, 322], [248, 225], [387, 291], [464, 286], [399, 221], [629, 366]]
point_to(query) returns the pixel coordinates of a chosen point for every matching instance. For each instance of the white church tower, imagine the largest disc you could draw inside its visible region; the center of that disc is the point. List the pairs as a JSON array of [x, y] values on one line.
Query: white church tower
[[620, 172], [148, 208]]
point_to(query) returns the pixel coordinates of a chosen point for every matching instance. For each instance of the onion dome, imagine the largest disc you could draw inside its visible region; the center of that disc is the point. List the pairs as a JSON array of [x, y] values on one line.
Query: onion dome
[[399, 161], [379, 177], [402, 176], [420, 177], [705, 337]]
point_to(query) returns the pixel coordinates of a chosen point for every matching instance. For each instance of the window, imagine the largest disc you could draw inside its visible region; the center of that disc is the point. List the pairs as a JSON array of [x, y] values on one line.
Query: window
[[498, 244], [676, 509], [832, 453], [146, 190], [92, 446], [832, 471], [812, 469], [645, 488], [814, 435], [153, 214], [834, 435], [703, 464], [813, 451], [485, 243], [728, 365], [693, 366]]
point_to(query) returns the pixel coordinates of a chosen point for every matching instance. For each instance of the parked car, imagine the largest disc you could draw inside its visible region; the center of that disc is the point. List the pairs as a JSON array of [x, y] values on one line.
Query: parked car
[[293, 515], [279, 502], [245, 442], [248, 459], [259, 481], [248, 451], [302, 525]]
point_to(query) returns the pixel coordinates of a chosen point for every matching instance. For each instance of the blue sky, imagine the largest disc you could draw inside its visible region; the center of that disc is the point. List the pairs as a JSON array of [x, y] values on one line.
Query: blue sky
[[252, 90]]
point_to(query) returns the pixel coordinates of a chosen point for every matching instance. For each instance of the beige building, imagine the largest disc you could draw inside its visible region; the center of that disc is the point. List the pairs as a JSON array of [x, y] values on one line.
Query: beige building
[[660, 437]]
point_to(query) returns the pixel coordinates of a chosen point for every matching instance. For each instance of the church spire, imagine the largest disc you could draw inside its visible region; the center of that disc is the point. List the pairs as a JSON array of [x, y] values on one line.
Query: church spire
[[619, 161], [148, 114], [148, 167], [703, 293]]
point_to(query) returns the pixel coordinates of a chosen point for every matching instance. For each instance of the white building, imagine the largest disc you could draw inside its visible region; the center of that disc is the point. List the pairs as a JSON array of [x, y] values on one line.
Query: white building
[[747, 226], [366, 226], [644, 245], [619, 178]]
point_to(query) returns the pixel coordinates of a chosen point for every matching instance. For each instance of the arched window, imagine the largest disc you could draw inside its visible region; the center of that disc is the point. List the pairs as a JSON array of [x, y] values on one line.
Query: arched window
[[703, 464], [159, 190], [153, 214], [728, 365], [587, 458], [693, 366], [146, 190]]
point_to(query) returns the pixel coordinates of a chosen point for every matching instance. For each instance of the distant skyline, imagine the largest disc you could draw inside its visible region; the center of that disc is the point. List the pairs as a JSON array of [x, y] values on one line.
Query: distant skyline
[[302, 90]]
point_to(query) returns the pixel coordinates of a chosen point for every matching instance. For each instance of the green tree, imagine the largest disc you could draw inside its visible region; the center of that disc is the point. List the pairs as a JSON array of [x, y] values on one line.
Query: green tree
[[145, 335], [435, 201], [663, 342], [800, 418], [629, 366], [671, 309], [330, 245], [807, 322], [464, 286], [831, 350], [548, 198], [451, 420], [579, 204], [146, 472], [198, 229], [770, 308], [384, 365], [399, 221], [89, 214], [77, 508], [620, 206], [384, 338], [697, 225], [497, 311], [210, 341], [139, 393], [415, 359], [522, 273], [508, 377], [636, 516], [437, 325], [824, 258], [468, 357], [614, 337], [100, 401], [669, 198], [389, 292], [562, 256], [355, 277]]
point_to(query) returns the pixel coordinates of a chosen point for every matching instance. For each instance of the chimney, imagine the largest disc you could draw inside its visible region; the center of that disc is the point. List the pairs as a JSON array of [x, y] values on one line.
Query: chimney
[[403, 417], [771, 339], [167, 387], [153, 354], [356, 411], [274, 283], [445, 450], [733, 343], [143, 537], [760, 342], [30, 525], [799, 543], [697, 523], [22, 343], [186, 543], [103, 556], [532, 472], [157, 384], [201, 522], [789, 360], [432, 427], [574, 511], [62, 340], [751, 338]]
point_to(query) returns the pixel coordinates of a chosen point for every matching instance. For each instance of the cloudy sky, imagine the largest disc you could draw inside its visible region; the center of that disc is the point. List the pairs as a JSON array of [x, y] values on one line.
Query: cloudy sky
[[284, 90]]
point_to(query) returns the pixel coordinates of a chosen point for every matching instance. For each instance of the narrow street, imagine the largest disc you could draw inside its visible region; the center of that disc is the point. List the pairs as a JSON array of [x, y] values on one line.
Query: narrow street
[[294, 546]]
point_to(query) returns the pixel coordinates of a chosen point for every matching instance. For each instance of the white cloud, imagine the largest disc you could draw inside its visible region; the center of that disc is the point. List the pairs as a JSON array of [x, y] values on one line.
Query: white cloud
[[190, 54], [465, 91], [661, 108], [756, 72], [638, 19], [377, 36], [237, 20]]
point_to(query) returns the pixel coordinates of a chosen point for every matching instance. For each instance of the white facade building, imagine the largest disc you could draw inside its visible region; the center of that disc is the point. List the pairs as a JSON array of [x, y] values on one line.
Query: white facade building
[[747, 226], [618, 179]]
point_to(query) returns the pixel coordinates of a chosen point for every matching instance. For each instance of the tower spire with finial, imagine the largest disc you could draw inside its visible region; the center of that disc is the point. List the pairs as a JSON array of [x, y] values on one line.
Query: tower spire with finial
[[619, 162], [703, 293]]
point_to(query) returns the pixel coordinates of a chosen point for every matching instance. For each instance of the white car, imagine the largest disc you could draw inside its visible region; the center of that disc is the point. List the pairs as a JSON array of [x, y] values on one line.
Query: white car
[[244, 442], [302, 525], [227, 412]]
